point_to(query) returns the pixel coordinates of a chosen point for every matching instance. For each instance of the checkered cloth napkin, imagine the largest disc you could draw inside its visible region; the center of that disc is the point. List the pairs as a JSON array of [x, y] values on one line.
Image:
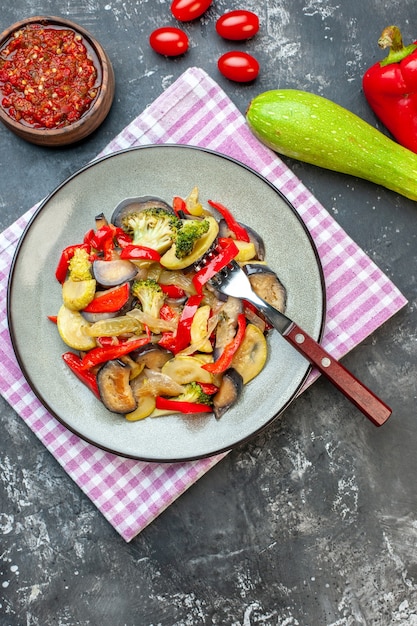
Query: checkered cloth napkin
[[195, 111]]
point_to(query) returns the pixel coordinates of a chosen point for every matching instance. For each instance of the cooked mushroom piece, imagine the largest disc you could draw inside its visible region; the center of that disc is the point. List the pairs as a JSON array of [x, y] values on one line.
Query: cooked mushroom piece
[[267, 285], [228, 393], [254, 237], [114, 387], [113, 273], [135, 205]]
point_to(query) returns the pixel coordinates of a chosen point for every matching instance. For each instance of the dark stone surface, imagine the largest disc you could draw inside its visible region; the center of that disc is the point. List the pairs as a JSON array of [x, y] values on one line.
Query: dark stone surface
[[314, 522]]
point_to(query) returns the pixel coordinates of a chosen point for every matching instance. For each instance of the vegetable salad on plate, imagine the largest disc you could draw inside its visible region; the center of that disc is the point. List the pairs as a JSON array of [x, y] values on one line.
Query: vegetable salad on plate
[[148, 333]]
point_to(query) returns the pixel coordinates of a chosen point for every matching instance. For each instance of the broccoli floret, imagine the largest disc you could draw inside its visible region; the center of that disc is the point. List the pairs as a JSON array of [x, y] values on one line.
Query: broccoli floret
[[187, 235], [80, 266], [150, 296], [155, 228], [193, 392]]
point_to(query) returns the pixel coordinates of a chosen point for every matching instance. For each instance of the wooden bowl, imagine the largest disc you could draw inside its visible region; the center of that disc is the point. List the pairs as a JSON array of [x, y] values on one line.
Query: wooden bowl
[[91, 119]]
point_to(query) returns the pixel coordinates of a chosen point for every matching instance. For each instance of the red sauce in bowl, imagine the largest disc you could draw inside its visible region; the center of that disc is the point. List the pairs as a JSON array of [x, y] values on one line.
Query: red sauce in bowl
[[48, 78]]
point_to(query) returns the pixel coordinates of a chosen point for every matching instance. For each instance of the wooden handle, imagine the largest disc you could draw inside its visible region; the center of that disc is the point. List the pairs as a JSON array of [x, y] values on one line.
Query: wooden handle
[[366, 401]]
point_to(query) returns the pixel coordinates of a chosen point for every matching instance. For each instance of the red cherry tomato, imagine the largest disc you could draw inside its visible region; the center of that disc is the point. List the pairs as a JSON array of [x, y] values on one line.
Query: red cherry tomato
[[237, 25], [238, 66], [187, 10], [169, 41]]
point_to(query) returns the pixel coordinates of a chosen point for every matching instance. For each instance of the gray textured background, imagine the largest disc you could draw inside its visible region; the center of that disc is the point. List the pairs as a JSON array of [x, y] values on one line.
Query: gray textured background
[[313, 523]]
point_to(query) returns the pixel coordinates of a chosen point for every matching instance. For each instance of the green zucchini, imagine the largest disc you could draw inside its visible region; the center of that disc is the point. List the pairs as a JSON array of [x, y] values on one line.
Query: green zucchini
[[310, 128]]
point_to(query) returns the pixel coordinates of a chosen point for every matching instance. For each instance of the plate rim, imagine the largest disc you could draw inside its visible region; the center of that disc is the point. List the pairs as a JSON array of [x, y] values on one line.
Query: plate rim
[[15, 259]]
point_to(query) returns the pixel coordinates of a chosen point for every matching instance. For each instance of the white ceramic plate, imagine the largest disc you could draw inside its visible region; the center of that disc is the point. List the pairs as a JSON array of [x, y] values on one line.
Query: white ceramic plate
[[64, 217]]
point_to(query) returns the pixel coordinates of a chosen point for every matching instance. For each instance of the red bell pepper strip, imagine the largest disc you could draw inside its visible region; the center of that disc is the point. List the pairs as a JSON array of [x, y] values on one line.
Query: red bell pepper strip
[[225, 359], [144, 253], [183, 334], [109, 301], [106, 342], [179, 205], [237, 229], [167, 313], [101, 236], [181, 407], [65, 258], [390, 88], [172, 291], [227, 250], [209, 388], [106, 238], [88, 237], [87, 377], [168, 341], [180, 339], [53, 318], [108, 353], [102, 240], [250, 308], [122, 238]]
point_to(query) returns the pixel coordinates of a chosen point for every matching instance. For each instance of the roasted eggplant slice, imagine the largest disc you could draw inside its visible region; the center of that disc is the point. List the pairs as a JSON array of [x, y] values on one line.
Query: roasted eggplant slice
[[114, 387], [135, 205], [267, 285], [251, 355], [96, 317], [228, 393], [152, 356], [101, 220], [113, 273]]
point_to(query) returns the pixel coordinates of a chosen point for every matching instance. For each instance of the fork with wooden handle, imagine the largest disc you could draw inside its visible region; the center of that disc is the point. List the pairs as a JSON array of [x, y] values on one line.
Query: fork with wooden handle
[[233, 281]]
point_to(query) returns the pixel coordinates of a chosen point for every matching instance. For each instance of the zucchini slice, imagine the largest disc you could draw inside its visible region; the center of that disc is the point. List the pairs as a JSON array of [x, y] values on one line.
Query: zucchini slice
[[251, 355]]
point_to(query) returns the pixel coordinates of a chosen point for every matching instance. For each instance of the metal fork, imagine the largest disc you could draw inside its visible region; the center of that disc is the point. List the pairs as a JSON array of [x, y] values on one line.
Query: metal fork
[[232, 281]]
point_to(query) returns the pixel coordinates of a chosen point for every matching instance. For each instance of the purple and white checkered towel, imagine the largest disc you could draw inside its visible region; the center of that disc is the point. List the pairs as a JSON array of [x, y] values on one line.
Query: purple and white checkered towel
[[195, 111]]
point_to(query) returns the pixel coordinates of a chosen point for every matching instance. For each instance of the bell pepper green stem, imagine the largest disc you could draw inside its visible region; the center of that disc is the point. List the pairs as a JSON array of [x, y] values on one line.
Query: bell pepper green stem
[[391, 38]]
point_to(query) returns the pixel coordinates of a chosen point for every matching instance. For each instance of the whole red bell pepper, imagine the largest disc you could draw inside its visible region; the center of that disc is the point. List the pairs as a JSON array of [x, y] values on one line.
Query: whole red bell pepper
[[390, 87]]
